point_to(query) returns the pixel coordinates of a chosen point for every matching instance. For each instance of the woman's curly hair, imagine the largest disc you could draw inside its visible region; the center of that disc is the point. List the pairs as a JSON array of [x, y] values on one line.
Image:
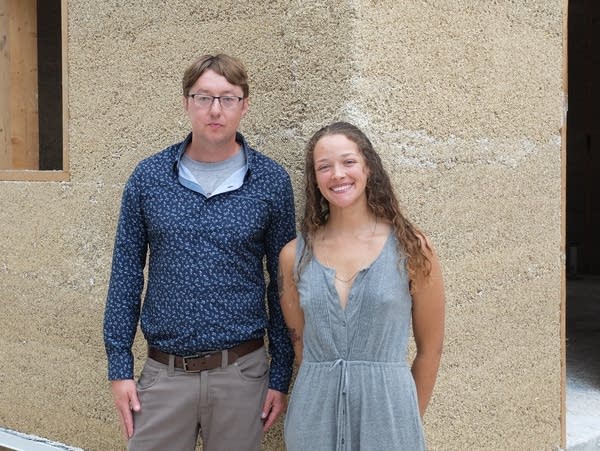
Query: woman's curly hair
[[381, 201]]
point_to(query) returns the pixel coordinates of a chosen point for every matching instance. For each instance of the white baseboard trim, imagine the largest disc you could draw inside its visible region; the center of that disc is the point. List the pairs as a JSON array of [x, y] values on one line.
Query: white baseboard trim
[[24, 442]]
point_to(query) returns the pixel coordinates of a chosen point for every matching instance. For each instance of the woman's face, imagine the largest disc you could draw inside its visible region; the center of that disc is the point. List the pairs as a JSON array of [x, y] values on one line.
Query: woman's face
[[341, 170]]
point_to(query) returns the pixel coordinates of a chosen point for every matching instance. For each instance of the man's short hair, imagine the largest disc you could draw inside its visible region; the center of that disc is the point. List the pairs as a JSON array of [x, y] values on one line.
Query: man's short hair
[[227, 66]]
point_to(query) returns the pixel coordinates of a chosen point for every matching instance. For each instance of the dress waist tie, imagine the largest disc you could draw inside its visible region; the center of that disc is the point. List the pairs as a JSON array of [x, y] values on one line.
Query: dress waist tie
[[342, 404]]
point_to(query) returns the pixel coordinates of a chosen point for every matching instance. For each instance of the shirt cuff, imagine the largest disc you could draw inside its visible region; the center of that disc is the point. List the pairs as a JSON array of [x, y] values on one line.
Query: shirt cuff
[[120, 366]]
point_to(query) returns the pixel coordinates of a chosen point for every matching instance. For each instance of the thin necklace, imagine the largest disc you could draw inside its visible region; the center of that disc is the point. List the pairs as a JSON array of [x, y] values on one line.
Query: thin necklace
[[353, 276], [345, 280]]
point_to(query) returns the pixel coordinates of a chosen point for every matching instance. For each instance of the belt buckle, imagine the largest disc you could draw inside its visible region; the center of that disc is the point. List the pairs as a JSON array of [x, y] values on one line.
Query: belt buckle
[[189, 357], [203, 356]]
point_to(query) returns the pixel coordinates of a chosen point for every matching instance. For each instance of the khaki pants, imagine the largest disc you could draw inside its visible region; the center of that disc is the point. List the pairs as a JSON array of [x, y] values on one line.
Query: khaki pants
[[223, 405]]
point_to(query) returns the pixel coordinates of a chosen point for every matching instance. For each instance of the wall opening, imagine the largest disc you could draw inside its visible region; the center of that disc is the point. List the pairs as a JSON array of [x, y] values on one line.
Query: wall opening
[[32, 97], [583, 224]]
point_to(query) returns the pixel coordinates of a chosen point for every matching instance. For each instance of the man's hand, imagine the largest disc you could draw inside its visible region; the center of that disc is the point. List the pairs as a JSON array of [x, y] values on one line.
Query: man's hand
[[275, 405], [126, 399]]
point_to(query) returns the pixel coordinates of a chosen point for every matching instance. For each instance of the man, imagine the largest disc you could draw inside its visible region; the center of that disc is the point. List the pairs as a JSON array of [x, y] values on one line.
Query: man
[[207, 210]]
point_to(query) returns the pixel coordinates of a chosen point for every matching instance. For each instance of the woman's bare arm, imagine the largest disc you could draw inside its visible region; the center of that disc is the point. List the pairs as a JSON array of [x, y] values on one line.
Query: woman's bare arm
[[290, 301], [428, 317]]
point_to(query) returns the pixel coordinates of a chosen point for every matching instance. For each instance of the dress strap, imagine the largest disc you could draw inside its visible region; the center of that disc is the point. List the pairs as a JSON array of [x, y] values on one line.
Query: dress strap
[[300, 250]]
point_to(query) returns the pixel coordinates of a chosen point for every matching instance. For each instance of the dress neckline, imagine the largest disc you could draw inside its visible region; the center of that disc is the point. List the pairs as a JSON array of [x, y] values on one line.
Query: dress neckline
[[367, 266], [331, 279]]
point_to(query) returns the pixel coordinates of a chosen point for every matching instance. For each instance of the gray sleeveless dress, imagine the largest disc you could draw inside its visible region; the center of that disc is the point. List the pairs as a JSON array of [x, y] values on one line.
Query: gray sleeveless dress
[[354, 390]]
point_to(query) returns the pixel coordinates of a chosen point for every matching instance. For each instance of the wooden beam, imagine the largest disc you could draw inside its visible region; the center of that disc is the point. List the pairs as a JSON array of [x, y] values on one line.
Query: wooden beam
[[5, 154], [34, 176], [65, 84], [563, 227], [19, 83]]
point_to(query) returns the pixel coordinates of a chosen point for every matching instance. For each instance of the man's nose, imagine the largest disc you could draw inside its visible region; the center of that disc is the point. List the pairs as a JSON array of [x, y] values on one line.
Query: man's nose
[[215, 106]]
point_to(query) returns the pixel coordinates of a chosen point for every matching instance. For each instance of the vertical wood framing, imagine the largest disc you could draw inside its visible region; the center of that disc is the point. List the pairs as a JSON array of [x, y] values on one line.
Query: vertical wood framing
[[5, 155], [563, 229], [65, 85], [20, 57], [19, 100]]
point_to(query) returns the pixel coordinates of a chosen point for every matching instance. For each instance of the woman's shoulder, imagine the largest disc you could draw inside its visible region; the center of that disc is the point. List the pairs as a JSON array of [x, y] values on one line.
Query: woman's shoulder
[[290, 246], [424, 242], [288, 252]]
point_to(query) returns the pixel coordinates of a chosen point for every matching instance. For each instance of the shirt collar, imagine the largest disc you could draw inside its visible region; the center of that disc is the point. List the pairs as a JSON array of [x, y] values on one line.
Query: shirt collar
[[237, 179], [239, 138]]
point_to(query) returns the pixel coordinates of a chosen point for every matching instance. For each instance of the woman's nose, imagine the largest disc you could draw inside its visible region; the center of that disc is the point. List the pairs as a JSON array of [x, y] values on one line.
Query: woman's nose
[[338, 171]]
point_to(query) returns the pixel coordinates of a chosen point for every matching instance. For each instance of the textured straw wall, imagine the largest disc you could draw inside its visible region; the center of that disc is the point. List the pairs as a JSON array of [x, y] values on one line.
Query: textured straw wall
[[463, 99]]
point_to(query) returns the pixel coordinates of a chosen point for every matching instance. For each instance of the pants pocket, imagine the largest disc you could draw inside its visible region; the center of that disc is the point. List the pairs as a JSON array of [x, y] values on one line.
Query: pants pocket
[[150, 374], [254, 366]]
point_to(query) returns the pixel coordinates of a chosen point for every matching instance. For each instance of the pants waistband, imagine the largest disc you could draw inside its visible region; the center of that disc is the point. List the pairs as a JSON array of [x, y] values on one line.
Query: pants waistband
[[202, 362]]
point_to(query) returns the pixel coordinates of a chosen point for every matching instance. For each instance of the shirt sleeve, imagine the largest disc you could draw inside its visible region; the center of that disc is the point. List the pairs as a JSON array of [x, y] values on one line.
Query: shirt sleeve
[[282, 230], [123, 301]]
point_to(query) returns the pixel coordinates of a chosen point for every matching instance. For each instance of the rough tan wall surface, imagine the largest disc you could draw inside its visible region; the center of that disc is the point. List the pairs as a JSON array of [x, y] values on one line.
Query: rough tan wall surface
[[462, 98]]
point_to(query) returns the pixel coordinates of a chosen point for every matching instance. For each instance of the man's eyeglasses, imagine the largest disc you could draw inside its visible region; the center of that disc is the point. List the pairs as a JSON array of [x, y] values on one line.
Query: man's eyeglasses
[[204, 101]]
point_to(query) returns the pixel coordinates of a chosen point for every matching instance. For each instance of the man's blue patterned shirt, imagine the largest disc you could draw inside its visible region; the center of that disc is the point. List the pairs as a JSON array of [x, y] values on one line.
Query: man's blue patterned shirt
[[206, 284]]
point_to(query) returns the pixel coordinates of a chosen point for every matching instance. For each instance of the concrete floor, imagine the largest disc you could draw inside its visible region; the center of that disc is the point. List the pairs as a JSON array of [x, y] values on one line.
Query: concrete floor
[[583, 363]]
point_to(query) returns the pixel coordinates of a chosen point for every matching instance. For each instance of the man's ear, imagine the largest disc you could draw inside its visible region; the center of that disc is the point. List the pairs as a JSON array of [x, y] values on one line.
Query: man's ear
[[245, 106]]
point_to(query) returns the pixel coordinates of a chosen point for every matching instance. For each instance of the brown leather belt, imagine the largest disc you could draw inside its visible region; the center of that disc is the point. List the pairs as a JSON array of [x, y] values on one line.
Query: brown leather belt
[[207, 360]]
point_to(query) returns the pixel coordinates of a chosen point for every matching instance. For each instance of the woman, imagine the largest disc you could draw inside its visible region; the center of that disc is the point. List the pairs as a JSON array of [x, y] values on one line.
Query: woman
[[350, 285]]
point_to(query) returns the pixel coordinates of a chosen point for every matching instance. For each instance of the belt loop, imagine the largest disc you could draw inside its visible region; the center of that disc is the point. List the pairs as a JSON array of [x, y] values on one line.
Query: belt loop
[[224, 358], [171, 371]]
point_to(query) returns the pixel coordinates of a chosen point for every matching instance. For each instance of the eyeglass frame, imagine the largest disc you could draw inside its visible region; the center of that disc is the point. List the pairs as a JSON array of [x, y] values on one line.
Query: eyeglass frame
[[213, 98]]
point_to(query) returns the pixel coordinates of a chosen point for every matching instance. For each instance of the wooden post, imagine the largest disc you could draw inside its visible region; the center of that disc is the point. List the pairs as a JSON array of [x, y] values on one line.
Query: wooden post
[[19, 128], [563, 228], [5, 159]]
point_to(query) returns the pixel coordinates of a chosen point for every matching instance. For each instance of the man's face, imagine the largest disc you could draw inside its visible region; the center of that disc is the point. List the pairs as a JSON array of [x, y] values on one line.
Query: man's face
[[214, 125]]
